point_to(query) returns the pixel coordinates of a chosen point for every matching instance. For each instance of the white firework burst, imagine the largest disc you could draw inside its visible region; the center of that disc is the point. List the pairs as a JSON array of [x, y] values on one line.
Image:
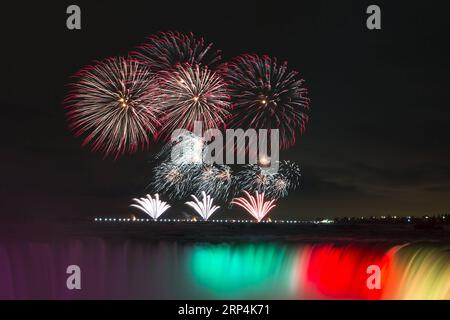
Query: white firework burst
[[205, 207], [154, 207]]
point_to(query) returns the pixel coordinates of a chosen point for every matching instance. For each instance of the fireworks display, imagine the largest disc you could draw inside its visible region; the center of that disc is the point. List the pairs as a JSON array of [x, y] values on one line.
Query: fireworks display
[[266, 95], [112, 104], [169, 83], [205, 207], [192, 93], [167, 49], [255, 205], [173, 80]]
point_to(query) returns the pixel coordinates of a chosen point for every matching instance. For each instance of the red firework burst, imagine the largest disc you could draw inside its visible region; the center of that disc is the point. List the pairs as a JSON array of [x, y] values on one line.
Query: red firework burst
[[266, 95], [165, 50], [192, 93], [112, 103]]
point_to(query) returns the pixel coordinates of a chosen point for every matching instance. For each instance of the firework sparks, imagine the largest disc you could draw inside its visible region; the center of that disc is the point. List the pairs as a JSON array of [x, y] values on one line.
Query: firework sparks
[[274, 184], [291, 171], [154, 207], [253, 178], [266, 95], [256, 205], [279, 187], [192, 93], [167, 49], [113, 104], [173, 179], [205, 207], [216, 180]]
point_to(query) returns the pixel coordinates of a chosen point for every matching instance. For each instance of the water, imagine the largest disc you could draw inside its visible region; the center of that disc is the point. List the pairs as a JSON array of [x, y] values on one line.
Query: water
[[130, 269]]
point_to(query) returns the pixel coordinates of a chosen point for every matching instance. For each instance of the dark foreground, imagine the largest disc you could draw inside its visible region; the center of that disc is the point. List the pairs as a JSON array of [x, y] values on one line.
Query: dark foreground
[[220, 232]]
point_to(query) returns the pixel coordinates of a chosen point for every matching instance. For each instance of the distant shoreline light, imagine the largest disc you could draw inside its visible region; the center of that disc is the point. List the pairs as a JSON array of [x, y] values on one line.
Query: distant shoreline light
[[126, 220]]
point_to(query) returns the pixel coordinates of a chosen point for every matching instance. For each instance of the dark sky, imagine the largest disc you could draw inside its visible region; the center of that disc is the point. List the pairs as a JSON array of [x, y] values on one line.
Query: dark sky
[[377, 142]]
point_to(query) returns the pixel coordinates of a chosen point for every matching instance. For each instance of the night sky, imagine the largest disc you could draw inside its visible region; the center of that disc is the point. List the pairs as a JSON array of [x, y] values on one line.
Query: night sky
[[377, 142]]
